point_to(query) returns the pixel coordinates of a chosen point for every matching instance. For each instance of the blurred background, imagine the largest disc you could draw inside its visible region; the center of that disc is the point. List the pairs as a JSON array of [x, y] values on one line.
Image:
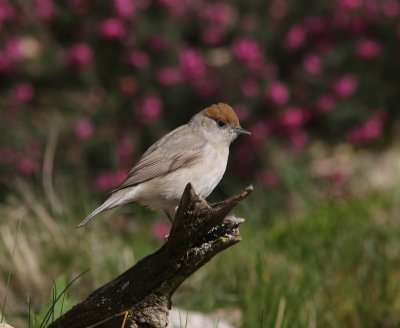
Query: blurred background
[[87, 85]]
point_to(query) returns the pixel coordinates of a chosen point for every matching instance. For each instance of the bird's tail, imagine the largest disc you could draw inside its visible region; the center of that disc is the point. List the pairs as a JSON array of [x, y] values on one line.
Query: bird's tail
[[118, 197], [110, 203]]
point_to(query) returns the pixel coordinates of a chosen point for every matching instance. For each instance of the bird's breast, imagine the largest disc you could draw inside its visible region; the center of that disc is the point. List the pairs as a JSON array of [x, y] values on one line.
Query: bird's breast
[[208, 172]]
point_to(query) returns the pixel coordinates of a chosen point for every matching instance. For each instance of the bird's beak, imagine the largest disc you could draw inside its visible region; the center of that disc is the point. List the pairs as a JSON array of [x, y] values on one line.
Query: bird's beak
[[241, 131]]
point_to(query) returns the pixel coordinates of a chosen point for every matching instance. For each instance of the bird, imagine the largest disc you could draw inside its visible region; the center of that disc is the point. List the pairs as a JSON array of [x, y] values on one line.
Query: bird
[[196, 152]]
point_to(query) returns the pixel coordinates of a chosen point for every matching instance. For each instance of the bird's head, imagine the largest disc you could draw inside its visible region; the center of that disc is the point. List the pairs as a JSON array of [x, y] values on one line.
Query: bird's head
[[218, 124]]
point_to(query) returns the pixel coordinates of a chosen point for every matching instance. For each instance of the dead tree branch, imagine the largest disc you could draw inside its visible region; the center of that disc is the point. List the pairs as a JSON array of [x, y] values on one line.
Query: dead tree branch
[[141, 296]]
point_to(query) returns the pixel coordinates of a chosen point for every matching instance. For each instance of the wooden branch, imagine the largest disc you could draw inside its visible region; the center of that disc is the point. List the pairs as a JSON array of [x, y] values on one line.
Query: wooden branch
[[141, 296]]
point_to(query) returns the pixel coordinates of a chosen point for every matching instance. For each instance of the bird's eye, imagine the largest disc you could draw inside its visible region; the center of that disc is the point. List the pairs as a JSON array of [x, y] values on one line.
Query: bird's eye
[[221, 123]]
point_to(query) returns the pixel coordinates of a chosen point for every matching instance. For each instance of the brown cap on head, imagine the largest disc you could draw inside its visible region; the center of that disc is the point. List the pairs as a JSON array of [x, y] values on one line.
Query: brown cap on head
[[223, 112]]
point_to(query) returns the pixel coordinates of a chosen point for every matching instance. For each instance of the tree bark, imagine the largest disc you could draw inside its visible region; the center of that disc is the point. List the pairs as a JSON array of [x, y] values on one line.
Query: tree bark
[[141, 296]]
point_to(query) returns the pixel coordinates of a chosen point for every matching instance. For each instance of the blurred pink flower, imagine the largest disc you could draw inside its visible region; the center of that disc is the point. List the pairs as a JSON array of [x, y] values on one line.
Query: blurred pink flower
[[295, 37], [277, 93], [119, 177], [124, 8], [345, 86], [27, 166], [316, 25], [391, 8], [161, 229], [374, 125], [169, 75], [205, 86], [278, 9], [312, 64], [83, 129], [298, 139], [156, 43], [79, 56], [106, 181], [368, 49], [326, 103], [192, 64], [112, 29], [368, 131], [10, 54], [249, 88], [355, 135], [357, 26], [242, 112], [13, 49], [292, 117], [341, 19], [143, 4], [149, 109], [45, 9], [138, 59], [350, 4], [247, 50], [79, 6], [372, 8], [267, 178], [7, 11], [212, 35], [176, 8], [338, 178], [218, 13], [23, 92], [124, 151], [250, 22], [259, 131]]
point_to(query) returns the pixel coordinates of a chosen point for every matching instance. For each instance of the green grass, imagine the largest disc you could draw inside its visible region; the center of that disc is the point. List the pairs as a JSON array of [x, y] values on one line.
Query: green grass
[[307, 259], [336, 265]]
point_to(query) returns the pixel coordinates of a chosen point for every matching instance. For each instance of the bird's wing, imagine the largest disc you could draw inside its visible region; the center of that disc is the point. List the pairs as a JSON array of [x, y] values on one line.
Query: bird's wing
[[175, 150]]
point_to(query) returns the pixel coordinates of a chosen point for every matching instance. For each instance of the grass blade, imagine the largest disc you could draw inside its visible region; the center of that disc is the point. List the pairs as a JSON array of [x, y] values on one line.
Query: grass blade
[[281, 313], [50, 312], [29, 312], [10, 271]]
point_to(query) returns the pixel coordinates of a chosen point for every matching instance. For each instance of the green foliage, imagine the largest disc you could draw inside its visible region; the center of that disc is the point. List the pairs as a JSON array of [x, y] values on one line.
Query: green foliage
[[57, 304]]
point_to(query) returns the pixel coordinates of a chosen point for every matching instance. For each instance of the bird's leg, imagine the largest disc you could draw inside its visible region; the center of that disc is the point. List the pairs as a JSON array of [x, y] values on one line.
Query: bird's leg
[[169, 216], [171, 219]]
